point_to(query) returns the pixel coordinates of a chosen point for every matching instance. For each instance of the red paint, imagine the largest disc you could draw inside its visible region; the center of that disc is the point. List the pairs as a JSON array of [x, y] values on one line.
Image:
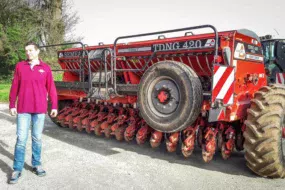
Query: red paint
[[163, 96]]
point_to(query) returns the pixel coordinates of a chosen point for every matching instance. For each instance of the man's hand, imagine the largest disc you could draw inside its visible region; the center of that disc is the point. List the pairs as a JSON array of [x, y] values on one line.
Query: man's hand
[[53, 113], [13, 111]]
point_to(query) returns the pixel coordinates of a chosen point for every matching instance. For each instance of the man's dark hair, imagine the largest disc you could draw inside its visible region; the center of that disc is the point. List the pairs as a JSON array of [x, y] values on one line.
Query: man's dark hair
[[32, 43]]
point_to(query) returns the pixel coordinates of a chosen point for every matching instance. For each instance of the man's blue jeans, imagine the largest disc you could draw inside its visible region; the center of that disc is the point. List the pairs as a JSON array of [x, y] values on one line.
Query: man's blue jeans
[[23, 125]]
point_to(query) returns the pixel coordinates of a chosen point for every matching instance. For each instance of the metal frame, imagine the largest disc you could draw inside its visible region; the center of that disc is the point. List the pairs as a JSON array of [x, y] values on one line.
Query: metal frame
[[81, 70], [114, 68], [104, 60], [89, 87]]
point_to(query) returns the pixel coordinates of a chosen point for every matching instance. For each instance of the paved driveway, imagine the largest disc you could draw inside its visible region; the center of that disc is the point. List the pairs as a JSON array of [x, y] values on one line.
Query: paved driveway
[[76, 160]]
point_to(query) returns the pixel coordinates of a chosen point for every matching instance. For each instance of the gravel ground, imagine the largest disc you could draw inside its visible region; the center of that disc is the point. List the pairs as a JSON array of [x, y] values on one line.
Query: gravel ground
[[76, 160]]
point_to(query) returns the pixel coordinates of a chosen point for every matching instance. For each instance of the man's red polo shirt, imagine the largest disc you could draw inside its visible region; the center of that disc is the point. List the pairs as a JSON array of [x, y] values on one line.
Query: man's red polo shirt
[[32, 86]]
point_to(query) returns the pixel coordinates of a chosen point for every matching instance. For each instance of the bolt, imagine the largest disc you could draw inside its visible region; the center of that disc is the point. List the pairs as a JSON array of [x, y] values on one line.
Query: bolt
[[164, 86], [164, 107]]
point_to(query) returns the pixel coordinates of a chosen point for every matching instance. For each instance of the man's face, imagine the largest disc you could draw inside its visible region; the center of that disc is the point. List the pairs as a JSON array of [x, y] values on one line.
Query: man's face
[[32, 53]]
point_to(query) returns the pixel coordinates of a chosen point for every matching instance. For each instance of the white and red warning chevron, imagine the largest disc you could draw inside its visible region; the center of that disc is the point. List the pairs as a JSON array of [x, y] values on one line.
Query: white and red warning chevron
[[223, 84], [280, 78]]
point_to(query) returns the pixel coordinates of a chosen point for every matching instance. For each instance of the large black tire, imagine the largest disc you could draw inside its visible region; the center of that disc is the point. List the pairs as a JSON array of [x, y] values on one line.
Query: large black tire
[[263, 135], [185, 90], [61, 105]]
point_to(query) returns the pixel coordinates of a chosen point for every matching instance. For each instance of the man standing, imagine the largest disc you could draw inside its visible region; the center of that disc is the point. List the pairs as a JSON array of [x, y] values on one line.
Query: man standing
[[32, 83]]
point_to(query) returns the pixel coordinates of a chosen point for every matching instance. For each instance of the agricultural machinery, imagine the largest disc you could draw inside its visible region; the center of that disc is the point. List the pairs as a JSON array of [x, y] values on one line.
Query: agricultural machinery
[[205, 90]]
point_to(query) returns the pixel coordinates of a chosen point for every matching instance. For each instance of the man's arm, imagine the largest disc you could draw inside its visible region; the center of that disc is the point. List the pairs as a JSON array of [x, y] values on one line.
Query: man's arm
[[51, 90], [14, 89]]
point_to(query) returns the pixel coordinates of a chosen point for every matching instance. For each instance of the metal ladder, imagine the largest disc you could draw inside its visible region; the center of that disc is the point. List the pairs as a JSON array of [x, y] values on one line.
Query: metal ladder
[[100, 87], [97, 90]]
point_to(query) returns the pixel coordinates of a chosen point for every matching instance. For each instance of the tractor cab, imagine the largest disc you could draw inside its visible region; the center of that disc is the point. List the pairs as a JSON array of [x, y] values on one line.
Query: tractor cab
[[274, 58]]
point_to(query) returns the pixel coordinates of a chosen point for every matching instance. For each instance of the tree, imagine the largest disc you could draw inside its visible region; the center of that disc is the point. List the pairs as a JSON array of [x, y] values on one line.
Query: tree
[[56, 21], [42, 21], [16, 20]]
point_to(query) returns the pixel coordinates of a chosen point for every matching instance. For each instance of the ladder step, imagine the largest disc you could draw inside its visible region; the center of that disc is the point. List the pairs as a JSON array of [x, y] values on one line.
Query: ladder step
[[96, 76], [102, 95]]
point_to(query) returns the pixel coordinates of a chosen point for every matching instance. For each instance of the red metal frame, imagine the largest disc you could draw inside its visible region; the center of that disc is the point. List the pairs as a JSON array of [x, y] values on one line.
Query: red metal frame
[[200, 60]]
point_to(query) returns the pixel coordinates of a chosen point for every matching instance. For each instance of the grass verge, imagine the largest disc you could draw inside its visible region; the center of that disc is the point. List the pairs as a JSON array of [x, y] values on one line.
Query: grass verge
[[4, 92]]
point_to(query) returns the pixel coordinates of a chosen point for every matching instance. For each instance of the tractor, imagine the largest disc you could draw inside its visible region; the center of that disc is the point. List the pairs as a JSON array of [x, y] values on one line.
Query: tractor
[[197, 90], [274, 58]]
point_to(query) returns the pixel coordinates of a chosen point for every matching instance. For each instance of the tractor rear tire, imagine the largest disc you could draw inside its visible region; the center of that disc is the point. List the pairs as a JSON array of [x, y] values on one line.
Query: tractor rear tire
[[263, 134], [181, 98]]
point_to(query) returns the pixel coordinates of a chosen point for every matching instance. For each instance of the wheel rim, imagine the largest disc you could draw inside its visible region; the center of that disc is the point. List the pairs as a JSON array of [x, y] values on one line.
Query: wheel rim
[[163, 96]]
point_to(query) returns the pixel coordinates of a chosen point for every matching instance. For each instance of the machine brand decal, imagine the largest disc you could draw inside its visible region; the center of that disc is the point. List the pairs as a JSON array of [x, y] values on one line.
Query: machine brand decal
[[239, 51], [140, 49], [68, 54], [223, 84], [247, 51], [280, 78], [210, 43], [93, 54], [185, 45], [254, 57]]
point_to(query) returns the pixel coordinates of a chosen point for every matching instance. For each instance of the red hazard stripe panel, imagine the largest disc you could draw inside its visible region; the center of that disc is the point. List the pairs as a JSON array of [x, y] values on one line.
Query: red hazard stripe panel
[[221, 116], [280, 78], [229, 95], [216, 69], [223, 84]]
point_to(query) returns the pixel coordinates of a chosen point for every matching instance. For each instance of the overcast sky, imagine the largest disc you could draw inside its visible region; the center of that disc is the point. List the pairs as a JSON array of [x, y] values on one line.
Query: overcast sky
[[105, 20]]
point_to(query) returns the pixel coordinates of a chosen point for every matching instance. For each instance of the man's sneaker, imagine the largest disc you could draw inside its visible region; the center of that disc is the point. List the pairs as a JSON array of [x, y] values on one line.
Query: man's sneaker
[[38, 170], [15, 177]]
